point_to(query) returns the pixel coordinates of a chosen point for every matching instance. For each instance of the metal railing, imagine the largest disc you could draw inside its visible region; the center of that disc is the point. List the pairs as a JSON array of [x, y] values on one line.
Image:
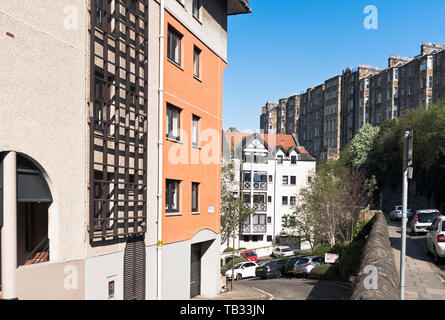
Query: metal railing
[[259, 228], [260, 185], [262, 207], [39, 254]]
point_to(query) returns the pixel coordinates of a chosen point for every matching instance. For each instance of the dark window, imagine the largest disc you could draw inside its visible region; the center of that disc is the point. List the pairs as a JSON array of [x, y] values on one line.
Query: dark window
[[247, 176], [292, 201], [269, 198], [172, 196], [293, 180], [195, 197], [285, 180], [196, 7], [270, 178], [284, 201], [269, 219], [174, 46], [246, 238], [269, 238], [197, 62], [293, 159], [173, 122], [195, 131]]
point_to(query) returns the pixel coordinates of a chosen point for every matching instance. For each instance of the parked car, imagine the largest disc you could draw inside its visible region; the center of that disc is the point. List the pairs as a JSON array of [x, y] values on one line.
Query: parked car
[[242, 270], [396, 214], [422, 220], [304, 265], [274, 268], [282, 251], [250, 255], [289, 266], [435, 239]]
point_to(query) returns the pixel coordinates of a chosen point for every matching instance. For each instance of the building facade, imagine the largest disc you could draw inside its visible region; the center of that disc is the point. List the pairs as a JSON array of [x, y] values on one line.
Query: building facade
[[360, 96], [271, 169], [114, 93]]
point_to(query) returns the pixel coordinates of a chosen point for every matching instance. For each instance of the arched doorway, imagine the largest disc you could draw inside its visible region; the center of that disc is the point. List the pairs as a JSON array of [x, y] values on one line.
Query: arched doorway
[[33, 198]]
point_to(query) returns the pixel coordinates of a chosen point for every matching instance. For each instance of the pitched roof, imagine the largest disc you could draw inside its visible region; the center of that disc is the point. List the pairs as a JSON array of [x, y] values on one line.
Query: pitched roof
[[275, 140]]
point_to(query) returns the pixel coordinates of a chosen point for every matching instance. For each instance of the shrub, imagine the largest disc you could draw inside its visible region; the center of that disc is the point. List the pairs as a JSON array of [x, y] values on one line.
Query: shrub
[[362, 229], [325, 272], [229, 249], [350, 258], [321, 250], [338, 247]]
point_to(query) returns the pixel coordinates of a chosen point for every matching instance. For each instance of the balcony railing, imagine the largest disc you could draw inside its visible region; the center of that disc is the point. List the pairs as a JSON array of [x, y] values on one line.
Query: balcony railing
[[260, 185], [262, 207], [39, 254], [247, 185], [259, 228], [245, 228]]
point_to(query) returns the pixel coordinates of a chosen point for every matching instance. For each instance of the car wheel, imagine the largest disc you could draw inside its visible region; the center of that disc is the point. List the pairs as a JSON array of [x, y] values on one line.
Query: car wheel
[[278, 274], [263, 278], [239, 277]]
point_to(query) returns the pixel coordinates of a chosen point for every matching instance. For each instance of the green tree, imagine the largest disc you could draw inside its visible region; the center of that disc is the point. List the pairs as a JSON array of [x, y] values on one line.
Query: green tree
[[362, 145]]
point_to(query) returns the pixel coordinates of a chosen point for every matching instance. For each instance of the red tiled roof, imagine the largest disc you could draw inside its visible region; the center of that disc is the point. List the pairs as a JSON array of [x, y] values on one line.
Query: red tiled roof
[[274, 140]]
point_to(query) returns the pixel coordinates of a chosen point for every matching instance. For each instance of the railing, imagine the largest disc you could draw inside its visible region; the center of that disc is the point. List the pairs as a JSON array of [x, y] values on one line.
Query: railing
[[246, 185], [245, 228], [39, 254], [259, 228], [262, 207], [260, 185]]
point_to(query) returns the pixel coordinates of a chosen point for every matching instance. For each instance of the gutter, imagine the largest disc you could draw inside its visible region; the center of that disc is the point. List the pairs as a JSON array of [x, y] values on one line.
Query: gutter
[[160, 148]]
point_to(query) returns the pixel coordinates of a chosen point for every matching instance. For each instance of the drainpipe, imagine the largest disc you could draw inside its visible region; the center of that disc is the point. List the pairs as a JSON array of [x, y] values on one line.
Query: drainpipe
[[160, 147], [9, 229]]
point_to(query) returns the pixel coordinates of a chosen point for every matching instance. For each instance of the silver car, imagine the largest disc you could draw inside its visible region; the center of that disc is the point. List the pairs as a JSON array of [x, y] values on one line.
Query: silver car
[[435, 239], [422, 220], [304, 265], [396, 214]]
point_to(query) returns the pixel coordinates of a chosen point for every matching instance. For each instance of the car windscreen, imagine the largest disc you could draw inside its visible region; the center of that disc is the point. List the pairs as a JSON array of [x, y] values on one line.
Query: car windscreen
[[293, 260], [302, 261], [286, 250], [427, 216], [250, 254], [237, 266]]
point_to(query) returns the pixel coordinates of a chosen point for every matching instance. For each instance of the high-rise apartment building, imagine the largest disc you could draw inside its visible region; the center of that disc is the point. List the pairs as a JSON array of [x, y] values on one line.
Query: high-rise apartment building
[[363, 95], [109, 110]]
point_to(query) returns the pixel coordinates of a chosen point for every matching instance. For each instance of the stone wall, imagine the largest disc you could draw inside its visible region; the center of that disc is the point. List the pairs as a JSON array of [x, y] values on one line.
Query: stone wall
[[378, 278]]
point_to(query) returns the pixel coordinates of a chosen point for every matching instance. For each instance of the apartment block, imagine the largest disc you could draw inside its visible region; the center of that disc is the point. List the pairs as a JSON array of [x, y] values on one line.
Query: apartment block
[[271, 169], [104, 189], [364, 95], [332, 118], [292, 115]]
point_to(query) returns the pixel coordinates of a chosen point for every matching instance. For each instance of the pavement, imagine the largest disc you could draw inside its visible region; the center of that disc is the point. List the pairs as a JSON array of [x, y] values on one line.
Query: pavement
[[239, 293], [423, 279]]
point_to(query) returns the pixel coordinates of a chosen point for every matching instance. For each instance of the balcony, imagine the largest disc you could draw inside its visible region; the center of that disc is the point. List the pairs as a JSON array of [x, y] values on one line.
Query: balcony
[[259, 228], [260, 185], [260, 207]]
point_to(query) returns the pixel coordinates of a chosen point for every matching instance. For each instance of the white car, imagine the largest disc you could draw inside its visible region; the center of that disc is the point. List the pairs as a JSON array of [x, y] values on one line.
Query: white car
[[396, 214], [243, 270], [283, 251], [435, 239]]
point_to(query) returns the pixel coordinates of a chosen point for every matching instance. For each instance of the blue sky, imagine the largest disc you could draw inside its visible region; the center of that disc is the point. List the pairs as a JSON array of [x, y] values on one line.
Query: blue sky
[[285, 46]]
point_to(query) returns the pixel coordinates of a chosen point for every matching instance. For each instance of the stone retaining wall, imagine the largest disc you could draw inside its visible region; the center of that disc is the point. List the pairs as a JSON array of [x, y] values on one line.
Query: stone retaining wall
[[378, 278]]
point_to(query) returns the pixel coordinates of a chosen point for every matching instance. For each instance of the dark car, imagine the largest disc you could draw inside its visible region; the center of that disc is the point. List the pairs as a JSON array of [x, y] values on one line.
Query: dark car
[[274, 268], [289, 266]]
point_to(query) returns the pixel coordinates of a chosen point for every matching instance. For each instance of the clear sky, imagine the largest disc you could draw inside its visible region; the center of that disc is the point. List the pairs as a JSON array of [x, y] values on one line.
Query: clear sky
[[285, 46]]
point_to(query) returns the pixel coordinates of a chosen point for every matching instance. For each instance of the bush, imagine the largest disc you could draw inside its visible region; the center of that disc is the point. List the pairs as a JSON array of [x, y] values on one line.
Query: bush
[[338, 248], [362, 229], [325, 272], [350, 258], [229, 249], [321, 250]]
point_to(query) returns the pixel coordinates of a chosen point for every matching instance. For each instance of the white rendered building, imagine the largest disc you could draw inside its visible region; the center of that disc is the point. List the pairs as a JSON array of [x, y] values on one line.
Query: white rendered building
[[272, 169]]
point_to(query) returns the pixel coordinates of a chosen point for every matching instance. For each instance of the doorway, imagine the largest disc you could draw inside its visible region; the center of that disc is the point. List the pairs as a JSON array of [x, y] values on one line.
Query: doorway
[[195, 270], [134, 269]]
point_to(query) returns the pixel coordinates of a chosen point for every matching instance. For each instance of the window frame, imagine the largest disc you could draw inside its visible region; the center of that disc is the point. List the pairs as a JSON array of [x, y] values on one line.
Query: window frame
[[169, 194], [169, 123], [171, 31], [195, 197], [195, 119], [197, 58]]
